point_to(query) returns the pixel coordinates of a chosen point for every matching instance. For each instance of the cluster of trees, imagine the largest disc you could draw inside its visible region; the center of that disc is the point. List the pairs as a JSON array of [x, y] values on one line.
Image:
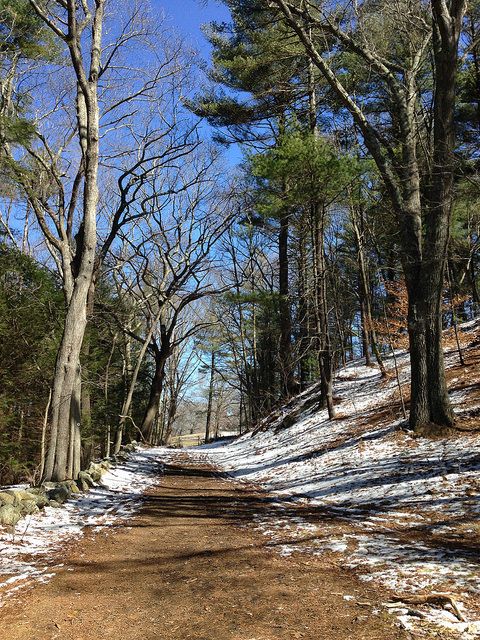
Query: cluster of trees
[[132, 267], [111, 212], [359, 227]]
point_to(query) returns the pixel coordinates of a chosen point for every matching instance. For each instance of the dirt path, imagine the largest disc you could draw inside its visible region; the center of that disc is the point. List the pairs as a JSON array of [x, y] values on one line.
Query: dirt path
[[189, 566]]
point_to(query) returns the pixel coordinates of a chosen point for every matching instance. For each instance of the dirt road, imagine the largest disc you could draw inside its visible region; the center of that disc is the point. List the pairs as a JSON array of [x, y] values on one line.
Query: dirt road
[[191, 566]]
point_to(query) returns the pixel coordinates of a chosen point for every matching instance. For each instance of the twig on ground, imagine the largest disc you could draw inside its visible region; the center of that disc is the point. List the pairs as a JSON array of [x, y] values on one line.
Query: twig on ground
[[441, 599]]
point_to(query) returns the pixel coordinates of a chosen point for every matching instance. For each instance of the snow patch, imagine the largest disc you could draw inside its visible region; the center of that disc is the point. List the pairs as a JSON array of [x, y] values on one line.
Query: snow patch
[[391, 503], [28, 554]]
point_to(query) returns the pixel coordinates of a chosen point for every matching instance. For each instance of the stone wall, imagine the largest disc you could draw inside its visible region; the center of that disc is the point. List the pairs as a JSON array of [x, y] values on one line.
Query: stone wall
[[15, 504]]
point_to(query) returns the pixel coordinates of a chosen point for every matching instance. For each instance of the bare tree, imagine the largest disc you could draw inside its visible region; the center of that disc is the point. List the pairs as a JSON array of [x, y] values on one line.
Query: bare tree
[[179, 370], [170, 257], [126, 122]]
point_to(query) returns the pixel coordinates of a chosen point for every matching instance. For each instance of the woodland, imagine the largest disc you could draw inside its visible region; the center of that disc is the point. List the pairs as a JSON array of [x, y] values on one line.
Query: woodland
[[151, 285]]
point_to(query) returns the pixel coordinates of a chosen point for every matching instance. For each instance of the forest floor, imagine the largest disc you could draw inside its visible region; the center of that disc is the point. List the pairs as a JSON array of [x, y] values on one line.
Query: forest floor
[[306, 528], [191, 565], [399, 510]]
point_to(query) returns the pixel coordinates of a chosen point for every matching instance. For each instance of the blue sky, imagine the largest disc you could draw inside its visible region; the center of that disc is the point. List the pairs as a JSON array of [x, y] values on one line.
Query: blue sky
[[188, 16]]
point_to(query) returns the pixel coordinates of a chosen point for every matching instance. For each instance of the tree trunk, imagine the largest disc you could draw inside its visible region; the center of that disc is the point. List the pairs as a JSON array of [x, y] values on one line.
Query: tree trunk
[[210, 397], [431, 410], [44, 435], [240, 411], [172, 412], [76, 416], [107, 448], [364, 330], [64, 400], [303, 313], [155, 393], [368, 329], [66, 387], [285, 313], [131, 389], [324, 342]]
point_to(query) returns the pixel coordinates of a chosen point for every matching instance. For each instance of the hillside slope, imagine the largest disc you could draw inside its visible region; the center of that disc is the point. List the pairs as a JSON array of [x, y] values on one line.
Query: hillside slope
[[397, 509]]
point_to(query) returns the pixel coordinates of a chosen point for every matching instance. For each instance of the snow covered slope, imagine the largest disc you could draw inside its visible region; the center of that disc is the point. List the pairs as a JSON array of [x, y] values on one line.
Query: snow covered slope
[[404, 511]]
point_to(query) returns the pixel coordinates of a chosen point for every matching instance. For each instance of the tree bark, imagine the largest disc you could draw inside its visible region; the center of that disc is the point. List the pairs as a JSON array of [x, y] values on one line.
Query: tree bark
[[210, 397], [285, 313], [161, 355], [368, 330], [44, 435], [65, 395], [364, 329], [64, 399], [323, 330], [303, 313]]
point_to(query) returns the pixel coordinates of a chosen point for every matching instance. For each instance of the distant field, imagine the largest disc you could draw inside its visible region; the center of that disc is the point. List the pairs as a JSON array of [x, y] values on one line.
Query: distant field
[[194, 439], [187, 440]]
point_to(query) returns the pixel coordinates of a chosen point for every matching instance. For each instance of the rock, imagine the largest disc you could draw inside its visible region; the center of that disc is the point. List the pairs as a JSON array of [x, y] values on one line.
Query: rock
[[9, 515], [60, 494], [85, 481], [82, 484], [71, 485], [41, 499], [27, 495], [49, 485], [28, 507], [39, 494], [105, 464], [6, 498], [55, 504], [18, 495], [96, 471]]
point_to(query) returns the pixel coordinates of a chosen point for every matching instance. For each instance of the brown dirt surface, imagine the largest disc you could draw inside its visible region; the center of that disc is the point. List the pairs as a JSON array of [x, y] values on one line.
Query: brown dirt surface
[[191, 566]]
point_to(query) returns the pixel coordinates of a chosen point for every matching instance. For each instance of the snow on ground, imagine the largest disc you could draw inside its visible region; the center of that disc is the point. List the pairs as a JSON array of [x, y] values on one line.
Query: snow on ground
[[399, 510], [28, 554], [403, 510]]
